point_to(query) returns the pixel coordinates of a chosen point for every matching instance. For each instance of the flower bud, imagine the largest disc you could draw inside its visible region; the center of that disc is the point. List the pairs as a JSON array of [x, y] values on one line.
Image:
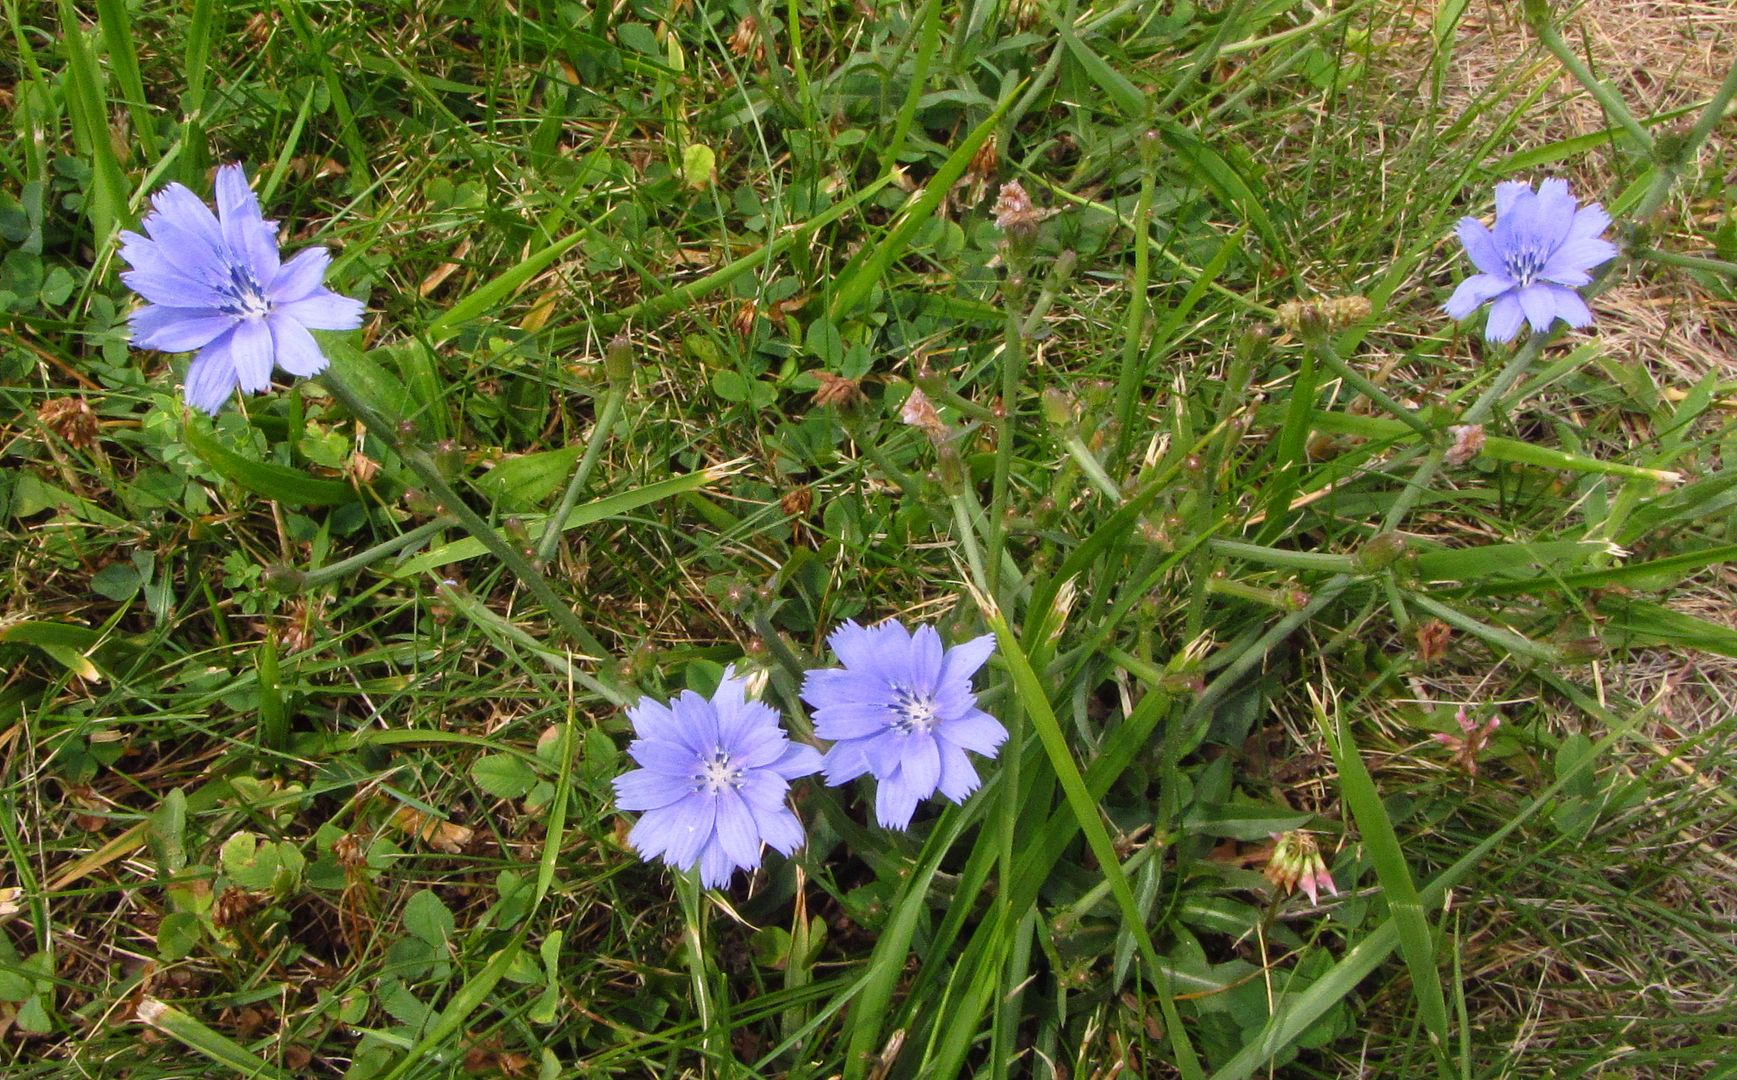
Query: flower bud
[[417, 502], [618, 360], [1058, 407], [950, 468], [448, 457], [1382, 551], [279, 578]]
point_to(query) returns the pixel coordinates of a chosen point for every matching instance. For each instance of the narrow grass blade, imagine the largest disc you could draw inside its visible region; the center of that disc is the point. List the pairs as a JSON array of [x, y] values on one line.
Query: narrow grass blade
[[490, 295], [1284, 1027], [859, 276], [87, 105], [1085, 809], [591, 512], [194, 1035], [1496, 448], [117, 27], [1382, 842], [886, 964]]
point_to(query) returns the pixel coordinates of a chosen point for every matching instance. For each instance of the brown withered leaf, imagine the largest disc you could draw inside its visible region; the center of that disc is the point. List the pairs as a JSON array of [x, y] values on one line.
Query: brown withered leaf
[[440, 835], [1432, 640]]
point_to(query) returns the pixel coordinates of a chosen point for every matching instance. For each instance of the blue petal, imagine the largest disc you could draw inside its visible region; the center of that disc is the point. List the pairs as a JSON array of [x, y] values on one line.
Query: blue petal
[[297, 351], [245, 231], [1553, 212], [759, 746], [211, 376], [177, 329], [1590, 221], [880, 651], [895, 803], [736, 831], [926, 652], [661, 755], [797, 761], [1474, 291], [921, 764], [324, 310], [744, 726], [958, 778], [652, 719], [1539, 304], [884, 753], [1508, 192], [1569, 263], [844, 763], [653, 833], [161, 283], [250, 352], [715, 866], [698, 721], [851, 721], [642, 789], [1505, 318], [780, 829], [764, 789], [963, 660], [300, 277], [825, 687], [1481, 246], [692, 830], [184, 215], [974, 731], [181, 258], [1570, 308]]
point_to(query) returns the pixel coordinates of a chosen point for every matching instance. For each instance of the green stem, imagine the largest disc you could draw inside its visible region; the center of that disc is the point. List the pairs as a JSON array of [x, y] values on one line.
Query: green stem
[[1538, 14], [968, 538], [1329, 356], [1711, 115], [693, 916], [1092, 468], [871, 450], [363, 559], [612, 402], [1061, 270], [1139, 307], [1687, 262], [473, 523], [1292, 560], [1012, 371]]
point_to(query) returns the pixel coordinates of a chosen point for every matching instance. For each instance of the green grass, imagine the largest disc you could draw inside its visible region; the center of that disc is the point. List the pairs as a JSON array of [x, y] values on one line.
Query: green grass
[[309, 713]]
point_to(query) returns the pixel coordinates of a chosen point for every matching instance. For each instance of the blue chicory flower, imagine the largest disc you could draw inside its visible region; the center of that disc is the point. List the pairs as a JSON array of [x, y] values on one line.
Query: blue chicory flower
[[902, 710], [1540, 251], [214, 283], [712, 781]]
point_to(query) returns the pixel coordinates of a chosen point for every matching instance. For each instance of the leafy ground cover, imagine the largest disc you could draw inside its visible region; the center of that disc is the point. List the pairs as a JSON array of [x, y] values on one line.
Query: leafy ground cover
[[310, 711]]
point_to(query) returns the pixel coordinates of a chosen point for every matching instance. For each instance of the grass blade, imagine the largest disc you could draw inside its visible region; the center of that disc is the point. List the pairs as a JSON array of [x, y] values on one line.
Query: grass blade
[[1412, 927]]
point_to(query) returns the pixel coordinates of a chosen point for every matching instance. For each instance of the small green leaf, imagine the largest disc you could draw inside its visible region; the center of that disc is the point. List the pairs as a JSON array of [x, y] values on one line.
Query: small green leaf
[[521, 483], [503, 776], [428, 918], [119, 582], [698, 165], [178, 935], [291, 487]]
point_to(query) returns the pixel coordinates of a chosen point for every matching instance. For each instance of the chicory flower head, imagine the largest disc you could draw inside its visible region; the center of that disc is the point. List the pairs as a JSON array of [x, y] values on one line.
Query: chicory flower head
[[902, 710], [1541, 249], [214, 283], [712, 781]]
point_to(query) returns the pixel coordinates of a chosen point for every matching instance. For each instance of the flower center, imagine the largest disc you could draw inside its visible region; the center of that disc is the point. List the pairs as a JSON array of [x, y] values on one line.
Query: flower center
[[912, 711], [1525, 262], [243, 295], [715, 773]]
